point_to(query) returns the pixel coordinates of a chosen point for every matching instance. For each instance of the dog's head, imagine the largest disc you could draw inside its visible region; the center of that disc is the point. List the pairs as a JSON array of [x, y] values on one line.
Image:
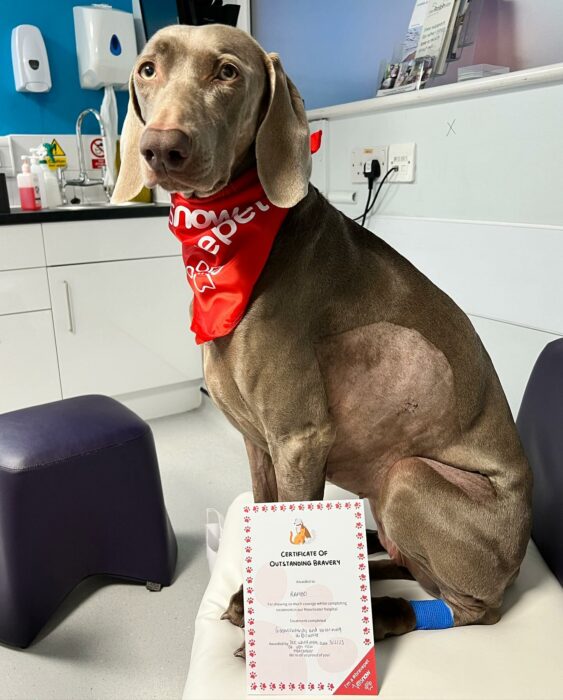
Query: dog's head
[[203, 103]]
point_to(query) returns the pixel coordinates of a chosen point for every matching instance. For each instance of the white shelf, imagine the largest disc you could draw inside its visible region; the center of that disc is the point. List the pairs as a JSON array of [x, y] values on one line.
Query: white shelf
[[518, 80]]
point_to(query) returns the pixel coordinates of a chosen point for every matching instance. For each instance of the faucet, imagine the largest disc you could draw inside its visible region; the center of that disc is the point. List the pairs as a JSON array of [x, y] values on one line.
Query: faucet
[[83, 179]]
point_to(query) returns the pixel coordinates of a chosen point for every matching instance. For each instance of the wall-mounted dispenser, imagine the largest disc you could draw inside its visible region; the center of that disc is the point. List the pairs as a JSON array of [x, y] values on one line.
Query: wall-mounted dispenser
[[105, 45], [29, 59]]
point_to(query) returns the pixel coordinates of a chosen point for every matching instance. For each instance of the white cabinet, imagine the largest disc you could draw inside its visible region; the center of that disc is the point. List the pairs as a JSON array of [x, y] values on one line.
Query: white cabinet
[[29, 373], [96, 307], [28, 361], [123, 326]]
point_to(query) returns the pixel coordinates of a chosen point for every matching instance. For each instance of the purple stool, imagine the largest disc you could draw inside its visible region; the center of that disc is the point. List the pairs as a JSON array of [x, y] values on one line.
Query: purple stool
[[80, 494]]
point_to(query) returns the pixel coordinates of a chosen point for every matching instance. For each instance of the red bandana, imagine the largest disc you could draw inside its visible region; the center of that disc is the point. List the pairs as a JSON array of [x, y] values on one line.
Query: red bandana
[[226, 240]]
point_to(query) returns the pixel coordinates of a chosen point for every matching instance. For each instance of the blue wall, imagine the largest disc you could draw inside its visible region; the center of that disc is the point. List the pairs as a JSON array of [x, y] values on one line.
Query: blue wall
[[332, 49], [53, 112]]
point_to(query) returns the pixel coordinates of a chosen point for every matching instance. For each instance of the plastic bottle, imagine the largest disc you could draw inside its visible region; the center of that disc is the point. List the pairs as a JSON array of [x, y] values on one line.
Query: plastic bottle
[[52, 191], [51, 172], [28, 187], [37, 171]]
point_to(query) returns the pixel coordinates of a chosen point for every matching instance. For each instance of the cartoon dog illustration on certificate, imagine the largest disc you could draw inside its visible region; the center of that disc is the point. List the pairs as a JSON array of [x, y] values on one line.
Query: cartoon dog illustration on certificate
[[299, 534]]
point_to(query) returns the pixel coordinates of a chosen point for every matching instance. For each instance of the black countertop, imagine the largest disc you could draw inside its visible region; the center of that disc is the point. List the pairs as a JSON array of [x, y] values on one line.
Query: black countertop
[[84, 213]]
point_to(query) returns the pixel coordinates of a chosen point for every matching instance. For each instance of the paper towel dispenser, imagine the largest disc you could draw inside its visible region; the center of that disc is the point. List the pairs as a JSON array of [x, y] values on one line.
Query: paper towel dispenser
[[105, 45]]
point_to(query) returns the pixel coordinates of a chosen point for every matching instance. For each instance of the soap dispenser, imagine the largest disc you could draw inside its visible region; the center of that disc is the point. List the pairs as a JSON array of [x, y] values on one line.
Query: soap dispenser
[[29, 60]]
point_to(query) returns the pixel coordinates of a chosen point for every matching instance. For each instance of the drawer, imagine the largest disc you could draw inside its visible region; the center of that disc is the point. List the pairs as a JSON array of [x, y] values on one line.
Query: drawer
[[21, 246], [24, 290], [72, 242]]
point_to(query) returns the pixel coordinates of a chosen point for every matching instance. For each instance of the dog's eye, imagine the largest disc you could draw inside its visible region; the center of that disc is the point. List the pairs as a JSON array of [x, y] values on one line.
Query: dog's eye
[[147, 70], [227, 72]]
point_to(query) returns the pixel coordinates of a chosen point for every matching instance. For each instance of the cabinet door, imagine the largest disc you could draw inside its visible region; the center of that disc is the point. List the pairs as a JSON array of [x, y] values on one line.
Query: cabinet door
[[21, 246], [28, 361], [123, 326]]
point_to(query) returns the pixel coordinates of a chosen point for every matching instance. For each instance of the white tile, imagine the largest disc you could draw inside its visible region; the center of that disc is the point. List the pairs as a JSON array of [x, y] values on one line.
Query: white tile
[[21, 143], [68, 144], [93, 195]]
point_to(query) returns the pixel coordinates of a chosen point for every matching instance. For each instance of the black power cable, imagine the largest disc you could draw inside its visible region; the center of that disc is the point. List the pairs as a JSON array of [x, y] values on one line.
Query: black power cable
[[369, 205], [371, 173]]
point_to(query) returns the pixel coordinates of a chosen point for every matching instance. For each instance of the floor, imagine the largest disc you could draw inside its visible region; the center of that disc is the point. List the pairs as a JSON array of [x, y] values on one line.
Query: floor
[[116, 641]]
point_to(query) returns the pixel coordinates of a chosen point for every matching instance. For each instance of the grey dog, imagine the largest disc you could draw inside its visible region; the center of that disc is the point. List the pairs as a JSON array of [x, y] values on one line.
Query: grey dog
[[349, 364]]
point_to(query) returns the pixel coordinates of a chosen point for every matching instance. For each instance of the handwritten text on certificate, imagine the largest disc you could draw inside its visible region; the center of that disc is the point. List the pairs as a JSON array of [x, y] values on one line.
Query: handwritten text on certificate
[[307, 599]]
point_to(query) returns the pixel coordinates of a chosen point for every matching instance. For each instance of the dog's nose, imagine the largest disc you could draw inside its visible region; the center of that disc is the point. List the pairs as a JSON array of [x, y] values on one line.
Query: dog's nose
[[165, 147]]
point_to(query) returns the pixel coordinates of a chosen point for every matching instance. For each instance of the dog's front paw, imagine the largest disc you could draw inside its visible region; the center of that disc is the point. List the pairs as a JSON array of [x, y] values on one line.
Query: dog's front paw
[[391, 617], [235, 610], [241, 652]]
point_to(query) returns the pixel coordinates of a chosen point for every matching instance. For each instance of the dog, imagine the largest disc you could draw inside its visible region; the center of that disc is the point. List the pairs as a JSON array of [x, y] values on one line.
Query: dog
[[348, 364]]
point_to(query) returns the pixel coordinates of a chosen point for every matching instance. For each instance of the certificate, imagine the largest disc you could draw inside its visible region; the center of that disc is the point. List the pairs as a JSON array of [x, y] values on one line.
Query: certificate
[[308, 624]]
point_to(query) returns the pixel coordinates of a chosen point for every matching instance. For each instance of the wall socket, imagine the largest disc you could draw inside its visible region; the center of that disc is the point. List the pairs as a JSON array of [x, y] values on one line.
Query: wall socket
[[402, 156], [363, 156]]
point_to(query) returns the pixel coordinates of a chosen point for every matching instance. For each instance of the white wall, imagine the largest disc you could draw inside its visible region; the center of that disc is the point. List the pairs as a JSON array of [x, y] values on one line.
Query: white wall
[[521, 33], [484, 218]]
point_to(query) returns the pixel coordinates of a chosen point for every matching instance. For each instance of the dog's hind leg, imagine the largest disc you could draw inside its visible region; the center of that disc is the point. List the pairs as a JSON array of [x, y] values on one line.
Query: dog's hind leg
[[461, 541]]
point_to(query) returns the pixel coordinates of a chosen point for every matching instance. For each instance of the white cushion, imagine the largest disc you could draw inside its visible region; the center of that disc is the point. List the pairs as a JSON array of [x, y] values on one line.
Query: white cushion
[[519, 658]]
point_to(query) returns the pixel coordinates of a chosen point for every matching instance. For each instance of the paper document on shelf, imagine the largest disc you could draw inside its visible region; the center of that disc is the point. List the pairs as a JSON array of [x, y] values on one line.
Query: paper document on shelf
[[412, 38], [459, 29], [436, 27], [448, 38]]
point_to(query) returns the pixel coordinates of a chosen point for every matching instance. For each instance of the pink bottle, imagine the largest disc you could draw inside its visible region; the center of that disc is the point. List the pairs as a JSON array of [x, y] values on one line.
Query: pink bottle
[[28, 187]]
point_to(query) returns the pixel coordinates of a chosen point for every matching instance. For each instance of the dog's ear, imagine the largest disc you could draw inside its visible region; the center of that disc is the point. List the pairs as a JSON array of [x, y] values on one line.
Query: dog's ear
[[283, 152], [129, 181]]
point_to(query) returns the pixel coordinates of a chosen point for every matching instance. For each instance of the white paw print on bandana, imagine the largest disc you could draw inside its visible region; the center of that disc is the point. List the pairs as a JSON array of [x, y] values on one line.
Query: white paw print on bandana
[[201, 275]]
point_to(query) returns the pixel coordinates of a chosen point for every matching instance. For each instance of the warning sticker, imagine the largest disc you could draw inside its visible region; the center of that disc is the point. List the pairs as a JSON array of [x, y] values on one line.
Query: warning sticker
[[97, 150], [60, 159]]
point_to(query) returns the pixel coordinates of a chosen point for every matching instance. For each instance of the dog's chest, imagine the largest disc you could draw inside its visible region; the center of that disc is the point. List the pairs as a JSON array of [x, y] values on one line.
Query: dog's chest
[[389, 394], [226, 394]]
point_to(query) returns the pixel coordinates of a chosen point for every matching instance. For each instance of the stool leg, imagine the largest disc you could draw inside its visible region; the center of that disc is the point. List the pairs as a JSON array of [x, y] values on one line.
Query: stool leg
[[153, 586]]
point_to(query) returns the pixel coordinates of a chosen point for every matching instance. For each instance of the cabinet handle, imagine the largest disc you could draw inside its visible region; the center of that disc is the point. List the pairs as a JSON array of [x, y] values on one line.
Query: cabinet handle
[[70, 318]]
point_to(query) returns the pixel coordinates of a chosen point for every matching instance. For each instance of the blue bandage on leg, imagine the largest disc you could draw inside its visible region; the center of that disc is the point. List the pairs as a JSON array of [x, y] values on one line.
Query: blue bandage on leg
[[432, 614]]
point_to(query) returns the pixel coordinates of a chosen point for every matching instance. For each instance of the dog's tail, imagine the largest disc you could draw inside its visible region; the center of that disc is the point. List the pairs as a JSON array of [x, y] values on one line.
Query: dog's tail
[[291, 537]]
